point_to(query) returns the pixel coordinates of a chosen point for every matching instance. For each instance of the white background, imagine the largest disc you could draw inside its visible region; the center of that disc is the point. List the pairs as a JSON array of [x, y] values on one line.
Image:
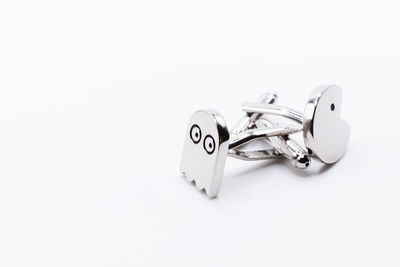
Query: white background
[[94, 101]]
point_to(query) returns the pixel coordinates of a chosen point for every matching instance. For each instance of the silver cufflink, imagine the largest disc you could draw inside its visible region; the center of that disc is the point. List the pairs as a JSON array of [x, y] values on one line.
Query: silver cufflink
[[208, 141]]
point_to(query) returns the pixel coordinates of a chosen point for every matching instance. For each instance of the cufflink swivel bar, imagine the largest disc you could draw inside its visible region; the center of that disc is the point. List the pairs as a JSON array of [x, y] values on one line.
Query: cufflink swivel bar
[[208, 141]]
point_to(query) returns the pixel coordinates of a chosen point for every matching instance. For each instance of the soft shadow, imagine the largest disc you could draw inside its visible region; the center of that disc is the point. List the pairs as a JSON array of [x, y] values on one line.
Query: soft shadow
[[235, 181], [251, 169]]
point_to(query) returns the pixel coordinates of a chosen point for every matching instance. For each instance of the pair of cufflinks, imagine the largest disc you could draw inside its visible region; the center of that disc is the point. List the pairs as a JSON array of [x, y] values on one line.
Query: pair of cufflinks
[[208, 141]]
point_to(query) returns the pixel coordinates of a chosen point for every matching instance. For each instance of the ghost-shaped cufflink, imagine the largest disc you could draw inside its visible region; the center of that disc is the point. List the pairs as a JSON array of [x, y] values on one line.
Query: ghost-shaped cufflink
[[208, 141], [205, 150]]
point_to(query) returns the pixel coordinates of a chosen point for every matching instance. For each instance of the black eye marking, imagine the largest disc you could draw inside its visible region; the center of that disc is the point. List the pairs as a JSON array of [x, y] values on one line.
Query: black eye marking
[[209, 144], [332, 107], [195, 133]]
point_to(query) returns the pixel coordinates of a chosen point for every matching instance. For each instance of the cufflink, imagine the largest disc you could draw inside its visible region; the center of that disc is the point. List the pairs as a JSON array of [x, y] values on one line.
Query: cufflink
[[208, 141]]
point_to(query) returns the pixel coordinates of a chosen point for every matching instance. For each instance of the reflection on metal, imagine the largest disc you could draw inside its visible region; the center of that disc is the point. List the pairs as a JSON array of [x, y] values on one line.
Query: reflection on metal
[[208, 141]]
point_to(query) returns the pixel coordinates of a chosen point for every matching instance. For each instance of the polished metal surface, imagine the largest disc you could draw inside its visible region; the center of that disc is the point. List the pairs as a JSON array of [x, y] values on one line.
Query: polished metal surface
[[208, 141], [274, 110], [287, 147], [284, 144], [254, 155], [205, 151], [325, 133], [264, 132], [248, 120]]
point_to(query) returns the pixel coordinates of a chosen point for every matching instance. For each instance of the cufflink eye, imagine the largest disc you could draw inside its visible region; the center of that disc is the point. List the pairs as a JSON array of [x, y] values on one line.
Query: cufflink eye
[[209, 144], [195, 133]]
